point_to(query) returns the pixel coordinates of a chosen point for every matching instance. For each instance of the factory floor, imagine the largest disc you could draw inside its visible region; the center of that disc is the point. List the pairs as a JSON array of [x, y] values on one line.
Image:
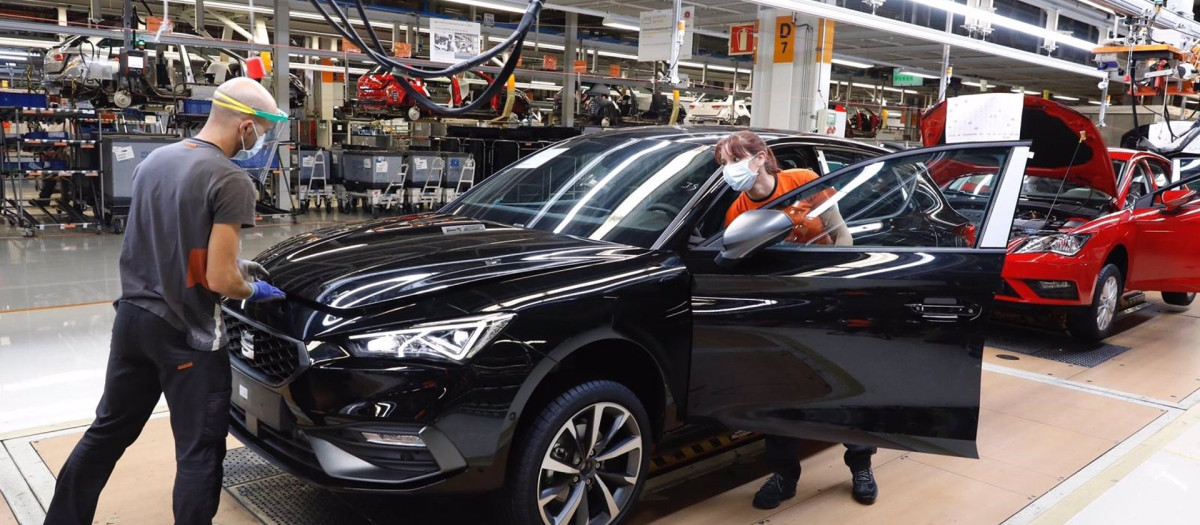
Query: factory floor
[[1095, 436]]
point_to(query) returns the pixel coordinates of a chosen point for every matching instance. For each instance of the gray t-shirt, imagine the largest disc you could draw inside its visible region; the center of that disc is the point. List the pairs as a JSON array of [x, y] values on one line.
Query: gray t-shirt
[[179, 192]]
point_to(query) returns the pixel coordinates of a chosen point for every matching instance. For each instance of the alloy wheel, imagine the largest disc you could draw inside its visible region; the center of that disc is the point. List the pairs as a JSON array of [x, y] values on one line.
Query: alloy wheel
[[1107, 308], [590, 471]]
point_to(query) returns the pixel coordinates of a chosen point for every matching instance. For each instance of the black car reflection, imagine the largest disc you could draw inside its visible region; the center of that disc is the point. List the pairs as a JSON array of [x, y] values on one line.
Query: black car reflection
[[540, 334]]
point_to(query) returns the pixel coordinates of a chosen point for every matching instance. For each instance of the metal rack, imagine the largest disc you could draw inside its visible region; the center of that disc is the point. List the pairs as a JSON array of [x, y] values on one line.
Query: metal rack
[[79, 177]]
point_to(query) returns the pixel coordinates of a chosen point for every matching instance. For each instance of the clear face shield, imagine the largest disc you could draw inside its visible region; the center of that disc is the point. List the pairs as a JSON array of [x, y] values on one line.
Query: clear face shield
[[259, 154]]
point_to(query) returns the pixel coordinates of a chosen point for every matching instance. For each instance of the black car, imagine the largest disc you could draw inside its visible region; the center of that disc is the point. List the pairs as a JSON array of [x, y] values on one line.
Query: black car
[[539, 335]]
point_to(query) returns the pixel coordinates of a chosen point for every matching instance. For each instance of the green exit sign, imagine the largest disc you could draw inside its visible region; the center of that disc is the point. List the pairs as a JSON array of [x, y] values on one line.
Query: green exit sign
[[901, 80]]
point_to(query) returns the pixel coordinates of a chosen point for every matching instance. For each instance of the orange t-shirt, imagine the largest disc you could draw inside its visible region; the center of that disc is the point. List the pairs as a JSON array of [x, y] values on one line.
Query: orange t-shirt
[[785, 181]]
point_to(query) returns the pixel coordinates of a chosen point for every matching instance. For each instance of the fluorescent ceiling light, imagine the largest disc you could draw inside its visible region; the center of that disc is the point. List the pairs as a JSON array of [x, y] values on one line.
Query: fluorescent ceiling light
[[851, 63], [972, 84], [711, 67], [327, 69], [1098, 6], [1003, 21], [625, 56], [509, 8], [920, 75], [1096, 102], [1064, 97], [227, 6], [13, 54], [554, 47], [618, 24], [543, 83], [858, 18], [27, 42], [867, 86], [305, 15]]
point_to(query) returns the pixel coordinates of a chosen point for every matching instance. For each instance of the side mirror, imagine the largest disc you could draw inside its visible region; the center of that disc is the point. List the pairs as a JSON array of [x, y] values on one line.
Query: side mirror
[[1174, 200], [752, 231]]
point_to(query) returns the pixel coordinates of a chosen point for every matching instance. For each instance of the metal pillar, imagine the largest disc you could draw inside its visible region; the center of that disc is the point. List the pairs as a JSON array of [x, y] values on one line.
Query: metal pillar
[[199, 23], [569, 51], [282, 72], [944, 80]]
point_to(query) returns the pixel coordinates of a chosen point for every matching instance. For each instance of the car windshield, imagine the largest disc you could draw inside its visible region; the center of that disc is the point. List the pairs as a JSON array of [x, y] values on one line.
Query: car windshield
[[1037, 188], [625, 191]]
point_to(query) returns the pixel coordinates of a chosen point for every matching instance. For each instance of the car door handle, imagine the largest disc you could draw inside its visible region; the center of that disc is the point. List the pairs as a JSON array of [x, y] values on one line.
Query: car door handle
[[942, 311]]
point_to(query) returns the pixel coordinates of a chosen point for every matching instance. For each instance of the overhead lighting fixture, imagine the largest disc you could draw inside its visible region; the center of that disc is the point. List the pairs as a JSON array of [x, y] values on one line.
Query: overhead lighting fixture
[[611, 54], [886, 25], [1064, 97], [1096, 102], [227, 6], [543, 83], [554, 47], [1003, 21], [27, 42], [327, 69], [305, 15], [851, 63], [508, 8], [620, 24], [920, 75], [972, 84]]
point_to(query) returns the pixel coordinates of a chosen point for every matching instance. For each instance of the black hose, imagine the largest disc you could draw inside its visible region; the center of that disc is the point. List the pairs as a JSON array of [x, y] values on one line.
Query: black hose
[[517, 39], [379, 55]]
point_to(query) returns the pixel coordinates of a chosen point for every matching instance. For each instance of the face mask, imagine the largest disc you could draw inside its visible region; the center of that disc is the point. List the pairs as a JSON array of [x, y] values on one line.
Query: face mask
[[249, 153], [739, 176]]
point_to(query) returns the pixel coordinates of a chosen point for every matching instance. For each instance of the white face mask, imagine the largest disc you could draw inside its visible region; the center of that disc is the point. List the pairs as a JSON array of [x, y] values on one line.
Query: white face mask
[[739, 175], [249, 153]]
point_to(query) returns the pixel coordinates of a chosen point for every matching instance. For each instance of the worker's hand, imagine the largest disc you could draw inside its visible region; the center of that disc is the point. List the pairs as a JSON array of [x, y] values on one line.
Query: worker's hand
[[252, 271], [262, 292]]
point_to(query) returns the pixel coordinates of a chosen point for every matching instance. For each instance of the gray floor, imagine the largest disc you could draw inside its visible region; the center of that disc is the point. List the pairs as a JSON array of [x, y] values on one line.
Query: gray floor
[[56, 315]]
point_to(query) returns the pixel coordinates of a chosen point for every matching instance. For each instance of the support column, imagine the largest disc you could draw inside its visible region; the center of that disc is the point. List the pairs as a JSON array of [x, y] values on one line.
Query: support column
[[568, 65], [199, 23], [792, 72], [281, 59]]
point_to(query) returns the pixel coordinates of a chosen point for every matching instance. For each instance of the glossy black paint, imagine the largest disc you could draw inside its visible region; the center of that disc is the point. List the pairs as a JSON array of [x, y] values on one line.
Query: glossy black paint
[[696, 338]]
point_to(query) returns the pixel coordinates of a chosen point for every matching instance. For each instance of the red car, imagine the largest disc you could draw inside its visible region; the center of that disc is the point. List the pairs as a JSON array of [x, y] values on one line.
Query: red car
[[379, 93], [1094, 226]]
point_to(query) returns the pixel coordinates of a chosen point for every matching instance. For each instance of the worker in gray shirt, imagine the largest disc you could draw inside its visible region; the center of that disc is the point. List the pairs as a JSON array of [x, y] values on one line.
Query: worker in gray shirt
[[178, 259]]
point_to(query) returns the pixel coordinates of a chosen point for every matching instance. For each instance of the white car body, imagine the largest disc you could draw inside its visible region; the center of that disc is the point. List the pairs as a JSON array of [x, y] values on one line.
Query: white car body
[[731, 110]]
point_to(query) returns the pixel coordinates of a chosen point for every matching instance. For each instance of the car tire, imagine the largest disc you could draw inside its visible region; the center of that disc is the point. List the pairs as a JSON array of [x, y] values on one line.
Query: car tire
[[557, 472], [743, 121], [1178, 298], [1095, 322]]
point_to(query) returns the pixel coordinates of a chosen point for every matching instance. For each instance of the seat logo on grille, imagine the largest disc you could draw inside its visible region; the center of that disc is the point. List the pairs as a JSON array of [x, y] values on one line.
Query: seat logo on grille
[[248, 345]]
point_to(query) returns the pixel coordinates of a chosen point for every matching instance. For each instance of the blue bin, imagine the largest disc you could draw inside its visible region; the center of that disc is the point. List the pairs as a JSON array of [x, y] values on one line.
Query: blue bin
[[25, 100], [197, 107]]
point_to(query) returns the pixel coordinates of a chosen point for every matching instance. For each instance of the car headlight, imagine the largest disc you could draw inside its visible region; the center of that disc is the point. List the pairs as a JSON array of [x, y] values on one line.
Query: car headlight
[[1068, 244], [455, 339]]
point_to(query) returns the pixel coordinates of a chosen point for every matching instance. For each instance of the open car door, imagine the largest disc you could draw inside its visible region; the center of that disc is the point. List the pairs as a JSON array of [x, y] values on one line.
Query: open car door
[[1166, 256], [869, 331]]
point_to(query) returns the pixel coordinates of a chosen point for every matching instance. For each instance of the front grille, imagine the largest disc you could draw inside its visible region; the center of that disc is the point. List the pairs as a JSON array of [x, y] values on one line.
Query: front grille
[[275, 358]]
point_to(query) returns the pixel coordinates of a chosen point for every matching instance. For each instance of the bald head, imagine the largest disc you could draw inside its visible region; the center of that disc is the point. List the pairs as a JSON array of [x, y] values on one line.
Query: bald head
[[234, 130]]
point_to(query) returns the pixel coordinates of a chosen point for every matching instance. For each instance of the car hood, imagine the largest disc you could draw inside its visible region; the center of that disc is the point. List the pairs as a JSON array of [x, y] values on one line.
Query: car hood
[[361, 266], [1054, 129]]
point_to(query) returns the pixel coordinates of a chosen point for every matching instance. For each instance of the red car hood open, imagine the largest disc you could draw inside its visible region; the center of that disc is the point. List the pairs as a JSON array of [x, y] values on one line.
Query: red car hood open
[[1055, 130]]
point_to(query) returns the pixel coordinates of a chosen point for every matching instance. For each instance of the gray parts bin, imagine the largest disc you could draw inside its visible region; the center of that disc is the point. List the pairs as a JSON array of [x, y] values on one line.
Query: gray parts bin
[[455, 162], [363, 171], [420, 164], [310, 166]]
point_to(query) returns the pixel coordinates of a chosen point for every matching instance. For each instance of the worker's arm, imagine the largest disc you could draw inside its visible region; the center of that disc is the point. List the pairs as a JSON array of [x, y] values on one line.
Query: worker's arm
[[222, 270]]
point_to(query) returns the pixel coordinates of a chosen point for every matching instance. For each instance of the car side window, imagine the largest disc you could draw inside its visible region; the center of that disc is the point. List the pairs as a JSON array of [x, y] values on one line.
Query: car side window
[[892, 203], [1139, 184], [1159, 173], [836, 159], [792, 157]]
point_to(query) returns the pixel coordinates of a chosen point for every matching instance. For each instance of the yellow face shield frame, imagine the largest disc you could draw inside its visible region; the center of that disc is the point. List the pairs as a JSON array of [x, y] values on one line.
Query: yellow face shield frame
[[229, 102]]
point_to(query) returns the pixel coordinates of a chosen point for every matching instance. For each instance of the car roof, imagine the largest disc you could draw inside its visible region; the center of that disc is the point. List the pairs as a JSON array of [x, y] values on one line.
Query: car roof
[[1126, 154], [710, 135]]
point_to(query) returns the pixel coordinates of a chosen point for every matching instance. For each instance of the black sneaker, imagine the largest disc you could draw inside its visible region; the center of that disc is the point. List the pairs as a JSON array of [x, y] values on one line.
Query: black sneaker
[[865, 489], [774, 491]]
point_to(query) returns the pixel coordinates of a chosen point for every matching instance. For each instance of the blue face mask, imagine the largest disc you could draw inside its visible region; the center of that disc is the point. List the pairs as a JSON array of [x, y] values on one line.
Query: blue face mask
[[249, 153]]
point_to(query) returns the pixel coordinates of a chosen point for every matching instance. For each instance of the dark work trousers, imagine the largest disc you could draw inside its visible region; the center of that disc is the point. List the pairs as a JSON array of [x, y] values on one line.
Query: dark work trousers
[[150, 357], [783, 456]]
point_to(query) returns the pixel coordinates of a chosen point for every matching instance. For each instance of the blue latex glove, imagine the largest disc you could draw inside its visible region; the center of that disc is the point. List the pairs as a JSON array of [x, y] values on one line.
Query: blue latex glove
[[263, 291]]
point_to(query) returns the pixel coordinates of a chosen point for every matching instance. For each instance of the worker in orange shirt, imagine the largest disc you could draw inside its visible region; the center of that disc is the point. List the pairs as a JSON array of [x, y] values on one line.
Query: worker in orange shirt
[[751, 168]]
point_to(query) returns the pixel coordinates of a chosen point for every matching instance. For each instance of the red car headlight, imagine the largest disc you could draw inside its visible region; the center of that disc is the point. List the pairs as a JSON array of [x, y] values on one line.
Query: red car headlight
[[1068, 244]]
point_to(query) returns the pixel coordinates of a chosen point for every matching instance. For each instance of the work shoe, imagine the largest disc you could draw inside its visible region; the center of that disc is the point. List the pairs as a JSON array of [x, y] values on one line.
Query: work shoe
[[774, 491], [865, 490]]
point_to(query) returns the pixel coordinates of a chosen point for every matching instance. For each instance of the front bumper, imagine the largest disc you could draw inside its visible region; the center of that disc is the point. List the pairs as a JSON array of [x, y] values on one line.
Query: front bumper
[[335, 457], [1047, 279]]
